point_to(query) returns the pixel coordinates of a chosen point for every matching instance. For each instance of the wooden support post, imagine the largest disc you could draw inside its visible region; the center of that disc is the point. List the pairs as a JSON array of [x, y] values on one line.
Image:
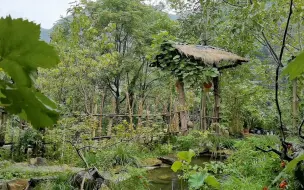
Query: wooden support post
[[216, 114], [203, 119], [140, 112], [129, 107], [147, 116], [99, 131], [182, 103], [109, 128], [2, 129]]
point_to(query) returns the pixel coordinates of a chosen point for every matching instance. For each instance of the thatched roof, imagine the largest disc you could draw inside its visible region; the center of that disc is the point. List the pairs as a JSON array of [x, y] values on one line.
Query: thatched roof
[[208, 55]]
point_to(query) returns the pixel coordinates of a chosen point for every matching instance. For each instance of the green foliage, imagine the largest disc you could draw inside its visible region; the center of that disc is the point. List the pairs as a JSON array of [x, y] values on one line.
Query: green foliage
[[295, 68], [29, 138], [289, 170], [192, 71], [196, 180], [163, 149], [123, 155], [62, 182], [177, 165], [197, 176], [183, 157], [21, 53], [215, 142], [249, 166], [120, 155], [193, 140], [105, 49], [186, 155], [135, 178], [186, 142], [215, 167], [23, 171]]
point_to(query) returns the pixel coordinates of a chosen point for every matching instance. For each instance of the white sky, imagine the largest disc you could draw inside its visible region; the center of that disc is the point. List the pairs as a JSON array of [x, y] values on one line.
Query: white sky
[[44, 12]]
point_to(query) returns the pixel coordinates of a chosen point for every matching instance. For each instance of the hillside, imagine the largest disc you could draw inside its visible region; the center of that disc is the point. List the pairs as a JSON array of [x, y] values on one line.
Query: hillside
[[45, 34]]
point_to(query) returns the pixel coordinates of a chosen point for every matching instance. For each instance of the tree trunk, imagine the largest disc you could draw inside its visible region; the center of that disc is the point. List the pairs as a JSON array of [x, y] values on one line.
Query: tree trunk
[[203, 109], [140, 112], [109, 128], [294, 104], [2, 128], [174, 126], [182, 103], [216, 114], [93, 119], [147, 116], [129, 108], [99, 130]]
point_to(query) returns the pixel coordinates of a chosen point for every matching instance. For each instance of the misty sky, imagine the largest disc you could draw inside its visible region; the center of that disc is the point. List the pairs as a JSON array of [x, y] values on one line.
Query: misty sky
[[44, 12]]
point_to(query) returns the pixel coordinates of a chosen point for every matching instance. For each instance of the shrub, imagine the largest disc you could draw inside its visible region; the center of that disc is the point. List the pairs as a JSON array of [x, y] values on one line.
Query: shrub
[[121, 154], [125, 155], [136, 179], [62, 182], [191, 141], [249, 166], [163, 149], [186, 142]]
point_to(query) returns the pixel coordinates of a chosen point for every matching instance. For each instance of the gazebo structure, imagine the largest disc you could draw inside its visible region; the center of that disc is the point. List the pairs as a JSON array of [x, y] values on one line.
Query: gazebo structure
[[196, 61]]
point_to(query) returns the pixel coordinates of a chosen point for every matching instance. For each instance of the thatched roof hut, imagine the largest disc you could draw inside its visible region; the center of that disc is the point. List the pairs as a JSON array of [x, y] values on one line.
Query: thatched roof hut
[[193, 61], [209, 55]]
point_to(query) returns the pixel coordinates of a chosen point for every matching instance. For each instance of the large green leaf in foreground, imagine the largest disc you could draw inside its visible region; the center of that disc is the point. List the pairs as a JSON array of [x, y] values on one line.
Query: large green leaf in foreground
[[21, 53], [295, 68]]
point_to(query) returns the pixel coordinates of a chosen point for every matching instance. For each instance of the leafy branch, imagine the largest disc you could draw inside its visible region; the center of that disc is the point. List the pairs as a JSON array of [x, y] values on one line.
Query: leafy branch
[[278, 59], [21, 54]]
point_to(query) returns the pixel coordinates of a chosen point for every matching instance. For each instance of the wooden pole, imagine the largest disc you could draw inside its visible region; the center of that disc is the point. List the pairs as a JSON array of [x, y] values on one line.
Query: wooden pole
[[203, 117], [170, 112], [147, 116], [2, 129], [216, 114], [182, 104], [130, 111], [109, 128], [140, 112], [99, 131]]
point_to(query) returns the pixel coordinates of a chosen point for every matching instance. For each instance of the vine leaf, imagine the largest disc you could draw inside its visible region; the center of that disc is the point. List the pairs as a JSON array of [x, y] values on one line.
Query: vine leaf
[[21, 53], [176, 166], [212, 181], [186, 155], [197, 180], [295, 68]]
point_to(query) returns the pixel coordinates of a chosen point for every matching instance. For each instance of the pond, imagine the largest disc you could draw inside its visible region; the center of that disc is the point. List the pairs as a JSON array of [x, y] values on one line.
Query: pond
[[165, 179]]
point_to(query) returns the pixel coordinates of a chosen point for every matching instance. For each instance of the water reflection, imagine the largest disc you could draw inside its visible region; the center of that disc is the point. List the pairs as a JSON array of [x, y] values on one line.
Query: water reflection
[[165, 179]]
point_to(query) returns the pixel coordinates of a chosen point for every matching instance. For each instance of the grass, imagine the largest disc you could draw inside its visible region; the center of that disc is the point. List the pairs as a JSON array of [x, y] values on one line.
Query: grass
[[24, 171]]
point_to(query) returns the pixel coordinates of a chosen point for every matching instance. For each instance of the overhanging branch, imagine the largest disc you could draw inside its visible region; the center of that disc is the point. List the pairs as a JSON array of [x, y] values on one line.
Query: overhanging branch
[[282, 155], [286, 32], [300, 130]]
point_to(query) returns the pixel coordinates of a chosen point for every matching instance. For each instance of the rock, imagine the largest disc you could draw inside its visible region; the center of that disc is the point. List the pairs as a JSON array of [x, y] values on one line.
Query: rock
[[17, 184], [165, 177], [38, 161], [190, 124], [150, 162], [92, 177], [3, 186], [167, 160]]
